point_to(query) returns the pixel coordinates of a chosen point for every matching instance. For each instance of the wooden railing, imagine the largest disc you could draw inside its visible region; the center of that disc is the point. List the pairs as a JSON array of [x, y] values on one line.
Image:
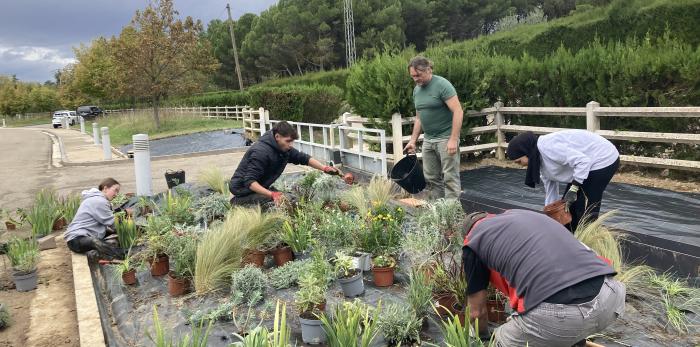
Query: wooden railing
[[257, 121]]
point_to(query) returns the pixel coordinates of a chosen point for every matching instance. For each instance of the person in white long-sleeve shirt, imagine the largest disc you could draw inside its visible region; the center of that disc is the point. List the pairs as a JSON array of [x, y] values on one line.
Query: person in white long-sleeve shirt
[[582, 159]]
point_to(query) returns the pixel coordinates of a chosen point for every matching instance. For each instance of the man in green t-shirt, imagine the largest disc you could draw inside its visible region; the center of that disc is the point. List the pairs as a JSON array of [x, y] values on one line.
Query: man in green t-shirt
[[439, 114]]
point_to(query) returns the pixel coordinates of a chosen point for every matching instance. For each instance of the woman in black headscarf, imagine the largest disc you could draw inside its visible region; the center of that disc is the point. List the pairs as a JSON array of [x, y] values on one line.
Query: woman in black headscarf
[[583, 160]]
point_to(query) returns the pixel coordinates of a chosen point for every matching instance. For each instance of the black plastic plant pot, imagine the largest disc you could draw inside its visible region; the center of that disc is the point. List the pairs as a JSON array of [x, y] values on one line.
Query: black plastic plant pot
[[408, 173]]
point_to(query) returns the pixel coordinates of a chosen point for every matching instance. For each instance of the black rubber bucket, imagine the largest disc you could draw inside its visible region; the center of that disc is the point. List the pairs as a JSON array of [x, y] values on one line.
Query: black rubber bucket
[[174, 178], [408, 173]]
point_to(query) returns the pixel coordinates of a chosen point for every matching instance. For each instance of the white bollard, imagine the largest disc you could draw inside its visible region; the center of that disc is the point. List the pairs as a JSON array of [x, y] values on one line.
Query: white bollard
[[82, 125], [95, 134], [3, 122], [142, 164], [106, 144], [63, 122], [67, 122]]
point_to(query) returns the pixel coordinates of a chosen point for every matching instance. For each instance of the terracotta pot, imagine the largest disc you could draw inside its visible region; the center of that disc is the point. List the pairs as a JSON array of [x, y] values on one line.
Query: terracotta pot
[[458, 310], [254, 257], [58, 224], [177, 286], [282, 255], [160, 265], [349, 178], [129, 277], [445, 302], [496, 311], [10, 226], [557, 211], [344, 206], [383, 276]]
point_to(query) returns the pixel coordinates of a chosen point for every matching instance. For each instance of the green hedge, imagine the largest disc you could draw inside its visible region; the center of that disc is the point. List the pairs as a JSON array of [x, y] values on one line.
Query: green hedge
[[649, 72], [331, 78], [228, 98], [311, 104], [619, 21]]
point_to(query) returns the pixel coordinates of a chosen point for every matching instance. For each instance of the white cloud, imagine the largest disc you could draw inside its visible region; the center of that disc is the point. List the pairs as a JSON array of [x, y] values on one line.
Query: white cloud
[[36, 54]]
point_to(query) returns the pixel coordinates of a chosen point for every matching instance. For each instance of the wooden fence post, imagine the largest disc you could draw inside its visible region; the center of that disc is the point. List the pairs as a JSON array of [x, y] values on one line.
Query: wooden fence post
[[397, 136], [592, 120], [261, 114], [500, 135]]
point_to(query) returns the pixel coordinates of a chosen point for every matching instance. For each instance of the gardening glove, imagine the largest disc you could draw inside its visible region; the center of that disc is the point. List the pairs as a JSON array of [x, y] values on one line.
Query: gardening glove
[[330, 170], [277, 197], [571, 195]]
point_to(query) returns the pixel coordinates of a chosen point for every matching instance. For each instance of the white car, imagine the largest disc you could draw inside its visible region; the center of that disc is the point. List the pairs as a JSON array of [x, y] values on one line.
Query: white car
[[58, 116]]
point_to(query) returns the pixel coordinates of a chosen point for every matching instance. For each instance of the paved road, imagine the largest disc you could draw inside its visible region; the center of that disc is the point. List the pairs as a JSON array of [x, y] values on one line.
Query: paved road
[[24, 166]]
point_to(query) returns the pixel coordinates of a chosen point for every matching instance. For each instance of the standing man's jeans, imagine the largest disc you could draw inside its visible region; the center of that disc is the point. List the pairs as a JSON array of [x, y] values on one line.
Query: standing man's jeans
[[558, 325], [441, 170]]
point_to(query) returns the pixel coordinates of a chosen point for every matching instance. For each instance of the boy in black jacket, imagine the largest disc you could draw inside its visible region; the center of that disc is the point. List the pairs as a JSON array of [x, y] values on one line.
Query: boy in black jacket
[[263, 164]]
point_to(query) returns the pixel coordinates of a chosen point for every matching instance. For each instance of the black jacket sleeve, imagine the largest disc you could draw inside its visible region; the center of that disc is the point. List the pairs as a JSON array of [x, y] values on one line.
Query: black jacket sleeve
[[476, 273], [298, 158], [255, 168]]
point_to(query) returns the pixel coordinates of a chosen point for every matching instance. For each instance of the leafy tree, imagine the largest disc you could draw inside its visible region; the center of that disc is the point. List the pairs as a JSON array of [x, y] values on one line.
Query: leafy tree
[[159, 55]]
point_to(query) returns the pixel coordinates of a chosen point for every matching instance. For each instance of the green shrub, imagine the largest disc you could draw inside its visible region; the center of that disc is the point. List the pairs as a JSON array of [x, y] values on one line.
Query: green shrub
[[5, 319], [23, 254], [399, 325], [330, 78], [288, 274], [248, 282], [311, 104]]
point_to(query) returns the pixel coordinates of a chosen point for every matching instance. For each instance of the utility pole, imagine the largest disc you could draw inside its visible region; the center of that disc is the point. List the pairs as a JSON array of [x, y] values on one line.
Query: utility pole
[[350, 54], [235, 50]]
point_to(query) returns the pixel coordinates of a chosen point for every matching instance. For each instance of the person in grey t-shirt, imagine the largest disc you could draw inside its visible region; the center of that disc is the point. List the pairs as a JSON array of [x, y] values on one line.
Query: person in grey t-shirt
[[561, 291]]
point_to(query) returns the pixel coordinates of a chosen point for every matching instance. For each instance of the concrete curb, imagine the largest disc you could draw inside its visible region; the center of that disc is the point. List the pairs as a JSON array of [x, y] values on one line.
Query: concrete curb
[[89, 323]]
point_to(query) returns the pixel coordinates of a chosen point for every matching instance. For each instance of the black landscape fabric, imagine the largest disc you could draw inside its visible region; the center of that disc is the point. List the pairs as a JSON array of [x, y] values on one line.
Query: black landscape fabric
[[651, 211]]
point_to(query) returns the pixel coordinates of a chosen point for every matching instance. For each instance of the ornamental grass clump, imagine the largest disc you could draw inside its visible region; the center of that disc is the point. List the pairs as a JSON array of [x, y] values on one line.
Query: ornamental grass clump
[[221, 249], [23, 254], [70, 205], [214, 178], [353, 324]]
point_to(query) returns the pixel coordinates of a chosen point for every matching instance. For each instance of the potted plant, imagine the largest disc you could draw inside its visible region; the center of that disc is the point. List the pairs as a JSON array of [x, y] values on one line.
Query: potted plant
[[24, 257], [419, 293], [352, 324], [157, 237], [458, 288], [349, 277], [496, 306], [182, 251], [311, 294], [211, 207], [126, 269], [298, 236], [5, 319], [399, 325], [11, 223], [383, 270], [145, 205]]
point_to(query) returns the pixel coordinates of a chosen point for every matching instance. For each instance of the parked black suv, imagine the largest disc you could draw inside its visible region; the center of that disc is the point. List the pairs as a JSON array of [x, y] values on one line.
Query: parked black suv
[[89, 111]]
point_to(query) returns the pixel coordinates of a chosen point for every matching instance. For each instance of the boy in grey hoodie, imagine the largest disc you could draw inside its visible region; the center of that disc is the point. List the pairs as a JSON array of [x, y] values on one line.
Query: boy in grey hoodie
[[92, 221]]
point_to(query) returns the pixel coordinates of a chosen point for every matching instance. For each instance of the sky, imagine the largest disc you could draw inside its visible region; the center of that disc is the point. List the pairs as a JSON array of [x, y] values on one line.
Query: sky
[[37, 36]]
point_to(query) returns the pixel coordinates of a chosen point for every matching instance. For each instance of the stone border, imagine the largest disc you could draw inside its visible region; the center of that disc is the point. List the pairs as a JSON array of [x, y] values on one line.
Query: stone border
[[89, 322]]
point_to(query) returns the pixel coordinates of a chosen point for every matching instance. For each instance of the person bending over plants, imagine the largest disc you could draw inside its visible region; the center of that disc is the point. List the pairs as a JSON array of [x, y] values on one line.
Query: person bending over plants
[[94, 221], [264, 163]]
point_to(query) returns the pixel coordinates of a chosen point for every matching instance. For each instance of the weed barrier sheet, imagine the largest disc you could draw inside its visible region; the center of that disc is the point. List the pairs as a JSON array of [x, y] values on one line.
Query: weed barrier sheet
[[650, 211]]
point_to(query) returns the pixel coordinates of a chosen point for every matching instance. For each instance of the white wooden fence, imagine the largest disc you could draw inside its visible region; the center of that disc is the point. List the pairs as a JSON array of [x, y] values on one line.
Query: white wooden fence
[[219, 112], [366, 148]]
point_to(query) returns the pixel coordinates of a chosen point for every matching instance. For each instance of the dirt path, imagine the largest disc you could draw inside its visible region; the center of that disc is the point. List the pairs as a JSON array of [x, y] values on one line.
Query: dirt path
[[45, 316]]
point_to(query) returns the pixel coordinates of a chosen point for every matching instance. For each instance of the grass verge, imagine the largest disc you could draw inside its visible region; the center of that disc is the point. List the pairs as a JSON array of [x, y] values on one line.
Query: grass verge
[[14, 122], [123, 126]]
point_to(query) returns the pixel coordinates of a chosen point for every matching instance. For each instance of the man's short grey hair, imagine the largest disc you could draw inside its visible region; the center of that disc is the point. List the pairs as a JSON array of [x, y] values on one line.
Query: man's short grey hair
[[420, 63]]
